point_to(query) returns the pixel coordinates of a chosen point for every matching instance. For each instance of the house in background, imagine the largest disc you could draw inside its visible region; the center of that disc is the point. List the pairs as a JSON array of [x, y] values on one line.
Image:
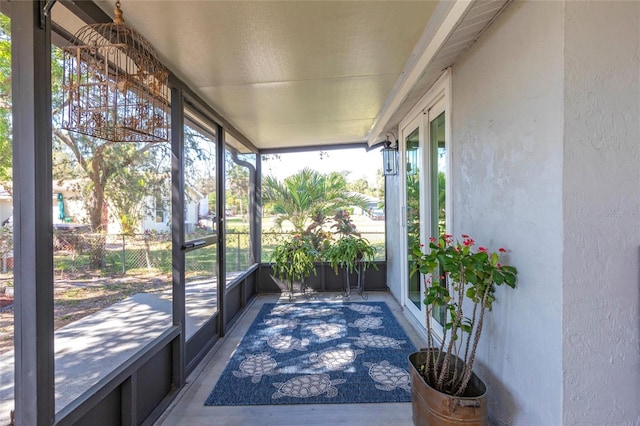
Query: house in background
[[6, 205], [372, 204], [156, 213], [66, 205]]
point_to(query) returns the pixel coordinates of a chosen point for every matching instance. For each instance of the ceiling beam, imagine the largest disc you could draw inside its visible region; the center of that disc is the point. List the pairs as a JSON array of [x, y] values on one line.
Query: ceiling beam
[[308, 148]]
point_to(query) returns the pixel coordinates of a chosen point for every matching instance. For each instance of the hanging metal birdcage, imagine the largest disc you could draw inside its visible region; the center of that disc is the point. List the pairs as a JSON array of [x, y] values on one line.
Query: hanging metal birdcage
[[115, 88]]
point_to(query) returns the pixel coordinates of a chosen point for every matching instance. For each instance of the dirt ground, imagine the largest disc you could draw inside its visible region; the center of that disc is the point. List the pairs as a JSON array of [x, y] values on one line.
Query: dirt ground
[[75, 299]]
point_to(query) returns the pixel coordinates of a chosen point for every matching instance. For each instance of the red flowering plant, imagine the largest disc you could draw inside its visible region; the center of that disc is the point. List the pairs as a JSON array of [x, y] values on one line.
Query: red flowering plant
[[457, 277]]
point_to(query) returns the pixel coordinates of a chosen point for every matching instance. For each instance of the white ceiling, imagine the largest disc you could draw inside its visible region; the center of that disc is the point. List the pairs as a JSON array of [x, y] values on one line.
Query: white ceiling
[[306, 73], [285, 73]]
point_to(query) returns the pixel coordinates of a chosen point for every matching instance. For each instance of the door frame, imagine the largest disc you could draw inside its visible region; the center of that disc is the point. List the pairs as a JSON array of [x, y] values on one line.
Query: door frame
[[438, 97], [406, 128]]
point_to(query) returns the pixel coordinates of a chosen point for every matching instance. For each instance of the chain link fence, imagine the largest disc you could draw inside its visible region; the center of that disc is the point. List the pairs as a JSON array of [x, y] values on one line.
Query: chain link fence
[[6, 249], [111, 254], [238, 251], [81, 253]]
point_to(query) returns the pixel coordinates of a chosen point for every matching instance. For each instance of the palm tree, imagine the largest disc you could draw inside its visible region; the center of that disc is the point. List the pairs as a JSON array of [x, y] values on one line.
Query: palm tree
[[309, 199]]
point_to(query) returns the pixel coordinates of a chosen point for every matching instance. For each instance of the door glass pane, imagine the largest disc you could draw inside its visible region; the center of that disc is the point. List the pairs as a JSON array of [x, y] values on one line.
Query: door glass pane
[[199, 183], [200, 225], [240, 169], [438, 176], [201, 287], [412, 143], [438, 184], [111, 252], [7, 355], [111, 240]]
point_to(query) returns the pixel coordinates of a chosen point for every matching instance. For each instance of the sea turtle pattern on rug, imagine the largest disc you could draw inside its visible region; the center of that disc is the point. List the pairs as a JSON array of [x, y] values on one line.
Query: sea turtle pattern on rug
[[256, 366], [320, 312], [325, 331], [308, 386], [279, 310], [388, 376], [331, 353], [338, 358], [367, 323], [290, 324], [377, 341], [283, 344], [364, 309]]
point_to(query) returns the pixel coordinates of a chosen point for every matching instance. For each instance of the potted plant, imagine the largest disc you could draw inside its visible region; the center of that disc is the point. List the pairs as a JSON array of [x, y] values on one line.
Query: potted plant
[[458, 279], [293, 260], [350, 251]]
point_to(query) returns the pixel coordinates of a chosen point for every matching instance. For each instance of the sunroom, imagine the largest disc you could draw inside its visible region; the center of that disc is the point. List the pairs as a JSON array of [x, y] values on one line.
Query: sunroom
[[528, 110]]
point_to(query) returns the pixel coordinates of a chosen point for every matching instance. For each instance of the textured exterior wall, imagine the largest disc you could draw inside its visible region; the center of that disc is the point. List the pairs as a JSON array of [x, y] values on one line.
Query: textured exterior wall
[[394, 213], [601, 214], [507, 179]]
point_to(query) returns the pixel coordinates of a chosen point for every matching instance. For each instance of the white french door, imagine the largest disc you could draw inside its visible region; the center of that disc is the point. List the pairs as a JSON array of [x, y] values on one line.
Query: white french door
[[426, 178], [412, 173]]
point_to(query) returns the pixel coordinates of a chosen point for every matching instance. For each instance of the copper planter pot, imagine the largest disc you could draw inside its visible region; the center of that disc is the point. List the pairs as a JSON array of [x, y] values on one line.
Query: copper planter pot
[[433, 408]]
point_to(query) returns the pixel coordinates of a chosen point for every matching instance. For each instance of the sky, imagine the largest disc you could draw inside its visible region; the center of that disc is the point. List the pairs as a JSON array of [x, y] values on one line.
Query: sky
[[361, 163]]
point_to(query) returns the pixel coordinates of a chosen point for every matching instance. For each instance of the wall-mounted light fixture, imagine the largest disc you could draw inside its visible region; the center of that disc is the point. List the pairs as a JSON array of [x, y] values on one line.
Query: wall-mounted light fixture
[[390, 156]]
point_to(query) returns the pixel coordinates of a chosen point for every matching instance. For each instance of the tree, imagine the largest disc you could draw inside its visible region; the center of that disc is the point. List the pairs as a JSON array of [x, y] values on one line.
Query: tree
[[237, 194], [308, 199], [127, 190], [100, 162], [116, 174], [380, 187], [109, 168], [200, 168], [5, 103], [361, 186]]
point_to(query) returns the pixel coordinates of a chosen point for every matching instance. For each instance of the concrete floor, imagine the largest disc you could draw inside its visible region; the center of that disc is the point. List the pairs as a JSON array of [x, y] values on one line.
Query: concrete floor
[[188, 408]]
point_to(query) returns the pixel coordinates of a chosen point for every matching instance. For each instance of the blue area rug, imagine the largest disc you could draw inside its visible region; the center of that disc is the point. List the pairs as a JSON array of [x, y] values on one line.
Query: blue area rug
[[318, 353]]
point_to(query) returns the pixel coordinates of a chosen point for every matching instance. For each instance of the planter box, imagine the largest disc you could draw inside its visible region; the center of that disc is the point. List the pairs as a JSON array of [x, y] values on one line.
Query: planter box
[[325, 279]]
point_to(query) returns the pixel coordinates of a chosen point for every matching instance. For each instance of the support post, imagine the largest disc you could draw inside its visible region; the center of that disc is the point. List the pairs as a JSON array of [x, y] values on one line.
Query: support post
[[124, 256], [33, 220], [222, 229], [177, 233]]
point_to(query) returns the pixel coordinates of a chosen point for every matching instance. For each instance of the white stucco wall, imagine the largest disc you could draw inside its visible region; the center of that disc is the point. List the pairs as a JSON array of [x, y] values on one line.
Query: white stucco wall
[[394, 211], [601, 318], [507, 117]]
